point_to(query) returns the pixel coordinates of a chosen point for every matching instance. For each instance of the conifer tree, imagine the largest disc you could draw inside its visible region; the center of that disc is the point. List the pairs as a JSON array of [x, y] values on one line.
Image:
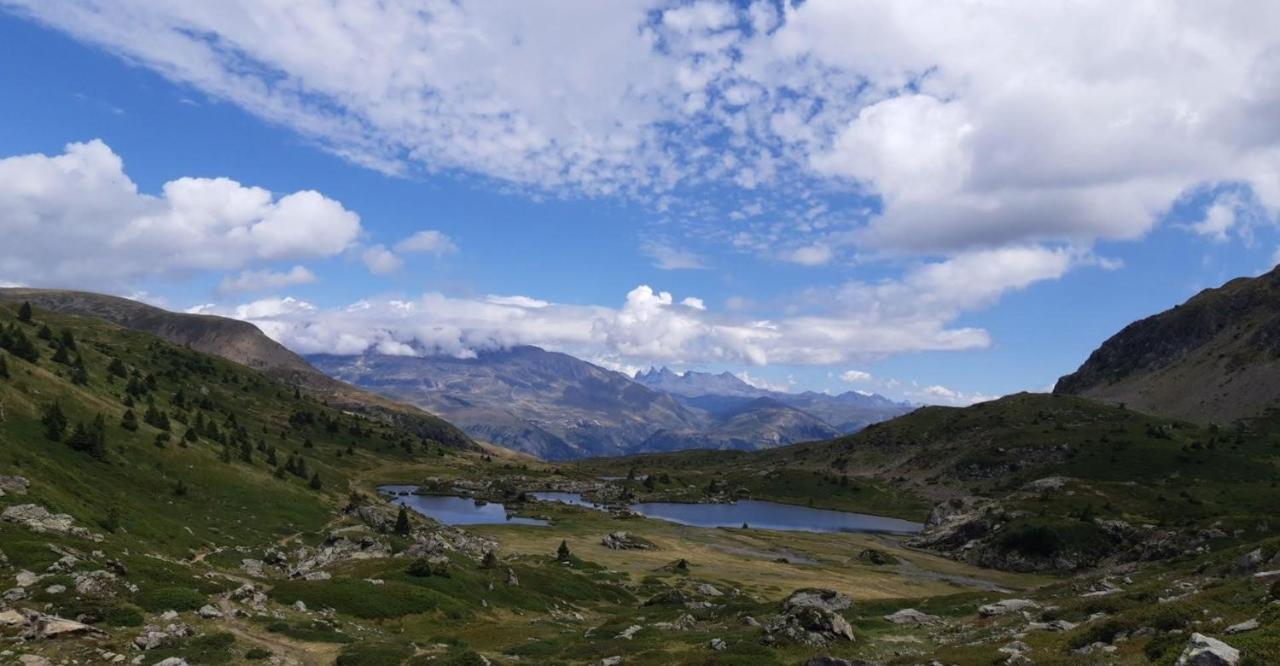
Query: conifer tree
[[60, 355], [190, 435], [45, 333], [79, 374], [4, 367], [402, 522], [246, 451], [55, 422], [23, 348], [562, 553], [117, 368], [129, 421], [24, 313], [67, 339], [315, 482]]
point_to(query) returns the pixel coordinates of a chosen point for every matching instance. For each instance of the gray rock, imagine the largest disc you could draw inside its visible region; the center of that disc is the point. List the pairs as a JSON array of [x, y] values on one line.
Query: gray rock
[[26, 578], [828, 600], [209, 612], [1247, 625], [38, 519], [630, 632], [1007, 606], [172, 661], [718, 645], [1203, 650], [708, 590], [625, 541], [912, 616], [611, 661], [13, 485]]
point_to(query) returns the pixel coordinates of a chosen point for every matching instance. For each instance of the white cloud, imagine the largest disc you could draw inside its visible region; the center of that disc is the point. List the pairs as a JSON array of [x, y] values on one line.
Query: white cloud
[[1005, 123], [1217, 222], [264, 280], [76, 219], [852, 322], [855, 376], [762, 383], [810, 255], [429, 242], [381, 261], [941, 395], [670, 258]]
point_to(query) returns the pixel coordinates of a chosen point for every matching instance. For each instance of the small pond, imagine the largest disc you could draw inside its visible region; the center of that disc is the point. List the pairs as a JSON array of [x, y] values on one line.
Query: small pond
[[455, 510], [755, 513]]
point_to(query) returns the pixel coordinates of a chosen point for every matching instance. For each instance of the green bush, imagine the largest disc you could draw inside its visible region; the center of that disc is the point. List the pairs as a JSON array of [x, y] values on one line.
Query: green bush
[[160, 599], [375, 654]]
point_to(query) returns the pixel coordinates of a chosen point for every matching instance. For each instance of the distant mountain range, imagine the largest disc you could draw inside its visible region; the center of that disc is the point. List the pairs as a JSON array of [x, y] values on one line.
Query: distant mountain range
[[559, 407]]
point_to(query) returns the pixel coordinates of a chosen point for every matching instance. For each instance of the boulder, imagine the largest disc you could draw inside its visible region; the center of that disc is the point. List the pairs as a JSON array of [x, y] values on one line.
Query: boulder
[[718, 645], [708, 590], [1240, 628], [26, 578], [209, 612], [172, 661], [12, 618], [38, 519], [50, 626], [809, 625], [13, 485], [1007, 606], [911, 616], [96, 584], [1203, 650], [828, 600], [625, 541]]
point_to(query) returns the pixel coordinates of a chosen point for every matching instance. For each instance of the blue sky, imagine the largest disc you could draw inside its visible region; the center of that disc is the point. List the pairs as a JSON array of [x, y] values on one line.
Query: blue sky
[[770, 189]]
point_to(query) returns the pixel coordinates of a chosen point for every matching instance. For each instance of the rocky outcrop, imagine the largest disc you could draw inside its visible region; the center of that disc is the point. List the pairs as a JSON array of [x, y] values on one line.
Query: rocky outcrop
[[154, 636], [810, 617], [38, 519], [625, 541], [913, 617], [13, 485]]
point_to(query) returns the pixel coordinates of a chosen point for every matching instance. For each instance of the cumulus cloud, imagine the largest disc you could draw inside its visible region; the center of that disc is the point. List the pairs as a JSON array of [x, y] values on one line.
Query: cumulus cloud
[[855, 376], [428, 241], [941, 395], [381, 261], [265, 280], [977, 126], [854, 321], [76, 219]]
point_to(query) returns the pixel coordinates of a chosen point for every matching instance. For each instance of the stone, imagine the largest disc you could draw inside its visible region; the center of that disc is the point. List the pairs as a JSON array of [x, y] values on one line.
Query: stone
[[1247, 625], [34, 660], [13, 485], [912, 616], [14, 594], [26, 578], [55, 589], [209, 612], [828, 600], [1007, 606], [1015, 647], [611, 661], [708, 590], [718, 644], [38, 519], [625, 541], [302, 607], [1250, 561], [630, 632], [810, 625], [1203, 650], [12, 618], [50, 626], [96, 583], [172, 661]]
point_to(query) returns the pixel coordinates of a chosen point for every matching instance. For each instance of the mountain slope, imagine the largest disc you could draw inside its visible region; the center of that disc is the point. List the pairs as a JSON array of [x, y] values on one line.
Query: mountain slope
[[240, 342], [545, 403], [846, 413], [1215, 358]]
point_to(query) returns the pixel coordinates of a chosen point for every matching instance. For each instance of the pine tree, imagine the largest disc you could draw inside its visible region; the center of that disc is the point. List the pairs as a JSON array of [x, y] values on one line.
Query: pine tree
[[162, 438], [246, 451], [23, 348], [129, 421], [180, 489], [55, 422], [315, 481], [402, 522], [24, 313], [90, 439], [45, 333], [190, 435], [562, 553], [79, 374], [4, 367], [271, 457], [67, 339], [117, 368], [60, 355]]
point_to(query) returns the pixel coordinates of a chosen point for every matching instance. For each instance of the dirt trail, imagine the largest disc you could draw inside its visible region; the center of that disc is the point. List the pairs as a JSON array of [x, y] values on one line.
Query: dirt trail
[[295, 652]]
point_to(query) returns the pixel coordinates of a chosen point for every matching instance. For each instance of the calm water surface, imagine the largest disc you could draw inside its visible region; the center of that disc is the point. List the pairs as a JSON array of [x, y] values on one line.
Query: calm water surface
[[456, 510], [756, 514]]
